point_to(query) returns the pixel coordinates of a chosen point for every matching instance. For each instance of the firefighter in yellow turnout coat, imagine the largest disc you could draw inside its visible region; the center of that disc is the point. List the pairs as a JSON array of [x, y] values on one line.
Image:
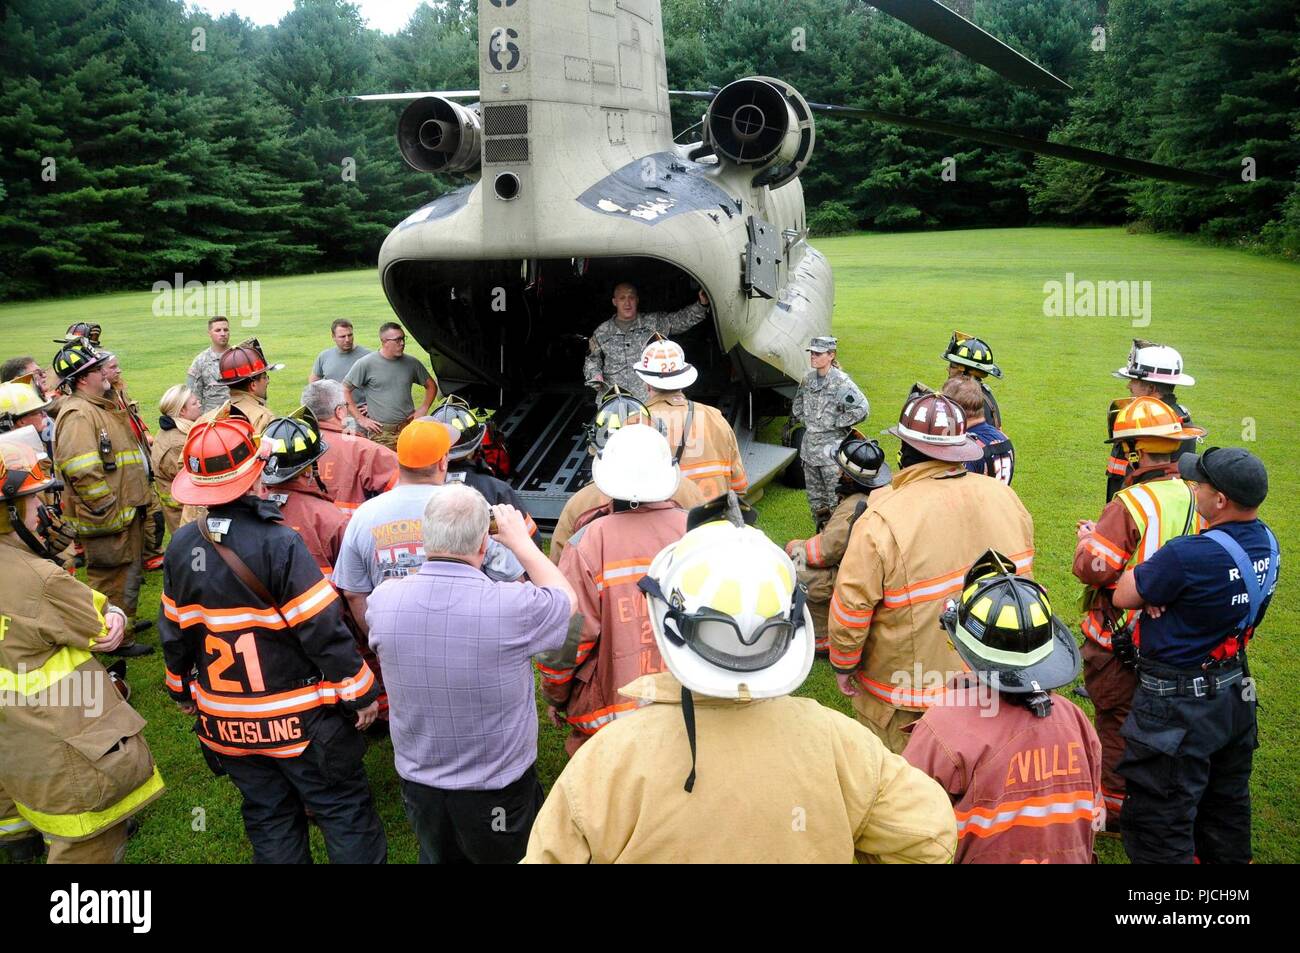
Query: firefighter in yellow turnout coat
[[102, 463], [72, 756]]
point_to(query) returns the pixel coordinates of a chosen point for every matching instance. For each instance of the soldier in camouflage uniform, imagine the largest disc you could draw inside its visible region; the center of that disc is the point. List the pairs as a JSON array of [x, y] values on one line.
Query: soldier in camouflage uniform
[[863, 469], [205, 372], [616, 345], [828, 403]]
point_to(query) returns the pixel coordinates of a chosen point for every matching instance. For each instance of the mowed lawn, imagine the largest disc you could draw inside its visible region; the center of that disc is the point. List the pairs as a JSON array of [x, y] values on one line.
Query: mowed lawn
[[1233, 315]]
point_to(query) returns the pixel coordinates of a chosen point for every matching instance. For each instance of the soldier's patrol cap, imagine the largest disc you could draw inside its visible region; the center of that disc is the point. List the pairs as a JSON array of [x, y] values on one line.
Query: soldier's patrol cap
[[820, 345]]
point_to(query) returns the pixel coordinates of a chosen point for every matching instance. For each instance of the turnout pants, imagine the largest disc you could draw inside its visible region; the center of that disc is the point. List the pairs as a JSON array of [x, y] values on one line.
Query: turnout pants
[[1187, 767], [108, 847], [885, 721], [473, 827], [1110, 686], [115, 566], [331, 783], [821, 586]]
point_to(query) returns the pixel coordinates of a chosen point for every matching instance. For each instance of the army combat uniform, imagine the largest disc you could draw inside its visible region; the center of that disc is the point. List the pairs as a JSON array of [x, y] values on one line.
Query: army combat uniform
[[616, 345], [828, 407], [204, 380]]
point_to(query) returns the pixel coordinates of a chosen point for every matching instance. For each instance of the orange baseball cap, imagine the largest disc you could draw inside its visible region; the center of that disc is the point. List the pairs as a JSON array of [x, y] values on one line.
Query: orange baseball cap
[[423, 442]]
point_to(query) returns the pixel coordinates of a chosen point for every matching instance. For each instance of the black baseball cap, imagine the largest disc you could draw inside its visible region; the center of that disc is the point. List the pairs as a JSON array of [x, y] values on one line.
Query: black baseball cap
[[1234, 471]]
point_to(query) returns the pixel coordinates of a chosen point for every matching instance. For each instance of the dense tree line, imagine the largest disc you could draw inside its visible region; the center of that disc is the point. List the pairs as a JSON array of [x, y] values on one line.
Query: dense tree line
[[139, 138]]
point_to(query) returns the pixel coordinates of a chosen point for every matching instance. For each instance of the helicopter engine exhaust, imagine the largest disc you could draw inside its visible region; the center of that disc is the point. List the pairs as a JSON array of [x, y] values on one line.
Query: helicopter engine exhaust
[[763, 123], [750, 123], [437, 135]]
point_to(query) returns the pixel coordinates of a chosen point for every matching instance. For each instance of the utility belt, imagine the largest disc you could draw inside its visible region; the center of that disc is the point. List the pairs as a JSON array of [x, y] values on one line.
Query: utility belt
[[1205, 682]]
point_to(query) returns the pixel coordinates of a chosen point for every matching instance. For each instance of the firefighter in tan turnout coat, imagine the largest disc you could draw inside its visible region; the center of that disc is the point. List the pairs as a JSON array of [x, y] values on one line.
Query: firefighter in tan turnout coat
[[73, 761], [103, 466]]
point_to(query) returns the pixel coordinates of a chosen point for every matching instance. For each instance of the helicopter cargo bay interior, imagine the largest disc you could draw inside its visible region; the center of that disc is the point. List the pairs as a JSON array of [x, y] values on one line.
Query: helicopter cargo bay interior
[[513, 335]]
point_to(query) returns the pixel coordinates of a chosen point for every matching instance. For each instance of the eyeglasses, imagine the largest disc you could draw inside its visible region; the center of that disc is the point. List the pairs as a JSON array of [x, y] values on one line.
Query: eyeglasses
[[391, 340], [690, 629]]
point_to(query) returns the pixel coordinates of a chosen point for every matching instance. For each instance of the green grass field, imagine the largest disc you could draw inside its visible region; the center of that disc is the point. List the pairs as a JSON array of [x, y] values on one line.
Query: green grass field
[[1233, 315]]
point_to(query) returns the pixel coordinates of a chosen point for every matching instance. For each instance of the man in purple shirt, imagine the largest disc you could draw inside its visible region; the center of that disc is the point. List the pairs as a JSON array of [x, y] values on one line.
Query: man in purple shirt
[[455, 648]]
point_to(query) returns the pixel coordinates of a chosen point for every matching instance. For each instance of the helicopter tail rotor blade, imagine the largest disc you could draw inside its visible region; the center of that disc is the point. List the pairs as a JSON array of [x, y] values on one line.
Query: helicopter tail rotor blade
[[956, 32], [1105, 160]]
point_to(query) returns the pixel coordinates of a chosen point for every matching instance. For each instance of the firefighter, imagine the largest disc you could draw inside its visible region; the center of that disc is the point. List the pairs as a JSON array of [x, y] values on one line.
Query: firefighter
[[1153, 370], [178, 408], [244, 369], [1154, 506], [617, 410], [603, 562], [999, 460], [1021, 764], [828, 403], [22, 406], [293, 479], [73, 758], [969, 356], [155, 523], [256, 647], [464, 462], [721, 765], [354, 468], [107, 496], [862, 470], [907, 553], [703, 443], [1192, 733]]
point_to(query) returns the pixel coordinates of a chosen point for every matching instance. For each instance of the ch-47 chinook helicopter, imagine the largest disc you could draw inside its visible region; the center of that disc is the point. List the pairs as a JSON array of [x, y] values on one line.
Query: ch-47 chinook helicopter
[[577, 185]]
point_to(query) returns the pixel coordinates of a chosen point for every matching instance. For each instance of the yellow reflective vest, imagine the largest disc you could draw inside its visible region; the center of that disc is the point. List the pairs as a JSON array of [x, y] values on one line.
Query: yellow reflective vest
[[73, 758]]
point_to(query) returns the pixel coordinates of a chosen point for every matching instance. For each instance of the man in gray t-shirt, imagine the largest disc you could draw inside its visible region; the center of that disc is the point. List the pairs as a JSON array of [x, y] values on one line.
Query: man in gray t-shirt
[[387, 377], [334, 363]]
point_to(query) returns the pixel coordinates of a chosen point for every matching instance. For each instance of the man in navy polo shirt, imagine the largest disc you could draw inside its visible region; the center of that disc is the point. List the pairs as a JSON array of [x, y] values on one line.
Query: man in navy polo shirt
[[1192, 734]]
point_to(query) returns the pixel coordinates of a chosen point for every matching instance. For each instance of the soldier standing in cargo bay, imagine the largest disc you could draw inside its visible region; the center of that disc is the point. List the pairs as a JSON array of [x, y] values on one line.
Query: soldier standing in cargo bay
[[616, 345]]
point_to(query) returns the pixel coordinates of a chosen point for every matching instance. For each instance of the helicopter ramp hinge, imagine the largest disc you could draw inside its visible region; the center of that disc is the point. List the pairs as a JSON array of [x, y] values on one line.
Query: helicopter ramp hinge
[[762, 258]]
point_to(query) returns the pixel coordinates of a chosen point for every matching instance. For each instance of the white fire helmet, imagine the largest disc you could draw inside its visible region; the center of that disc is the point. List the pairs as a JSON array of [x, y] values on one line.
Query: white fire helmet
[[636, 466], [1156, 363], [663, 366]]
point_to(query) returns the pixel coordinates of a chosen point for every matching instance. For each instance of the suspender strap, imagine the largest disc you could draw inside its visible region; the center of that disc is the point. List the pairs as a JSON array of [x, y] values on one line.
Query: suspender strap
[[1246, 570], [686, 431]]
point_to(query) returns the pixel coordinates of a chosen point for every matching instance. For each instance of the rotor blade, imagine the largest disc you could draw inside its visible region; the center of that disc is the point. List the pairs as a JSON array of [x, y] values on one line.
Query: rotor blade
[[386, 97], [953, 30], [1105, 160]]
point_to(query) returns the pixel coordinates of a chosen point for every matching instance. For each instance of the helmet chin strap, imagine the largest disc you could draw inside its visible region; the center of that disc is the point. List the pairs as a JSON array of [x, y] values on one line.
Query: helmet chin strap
[[40, 548]]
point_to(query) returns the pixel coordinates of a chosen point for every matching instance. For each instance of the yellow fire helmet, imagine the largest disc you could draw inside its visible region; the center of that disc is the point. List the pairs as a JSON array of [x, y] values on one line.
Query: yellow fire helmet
[[728, 615], [17, 400]]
